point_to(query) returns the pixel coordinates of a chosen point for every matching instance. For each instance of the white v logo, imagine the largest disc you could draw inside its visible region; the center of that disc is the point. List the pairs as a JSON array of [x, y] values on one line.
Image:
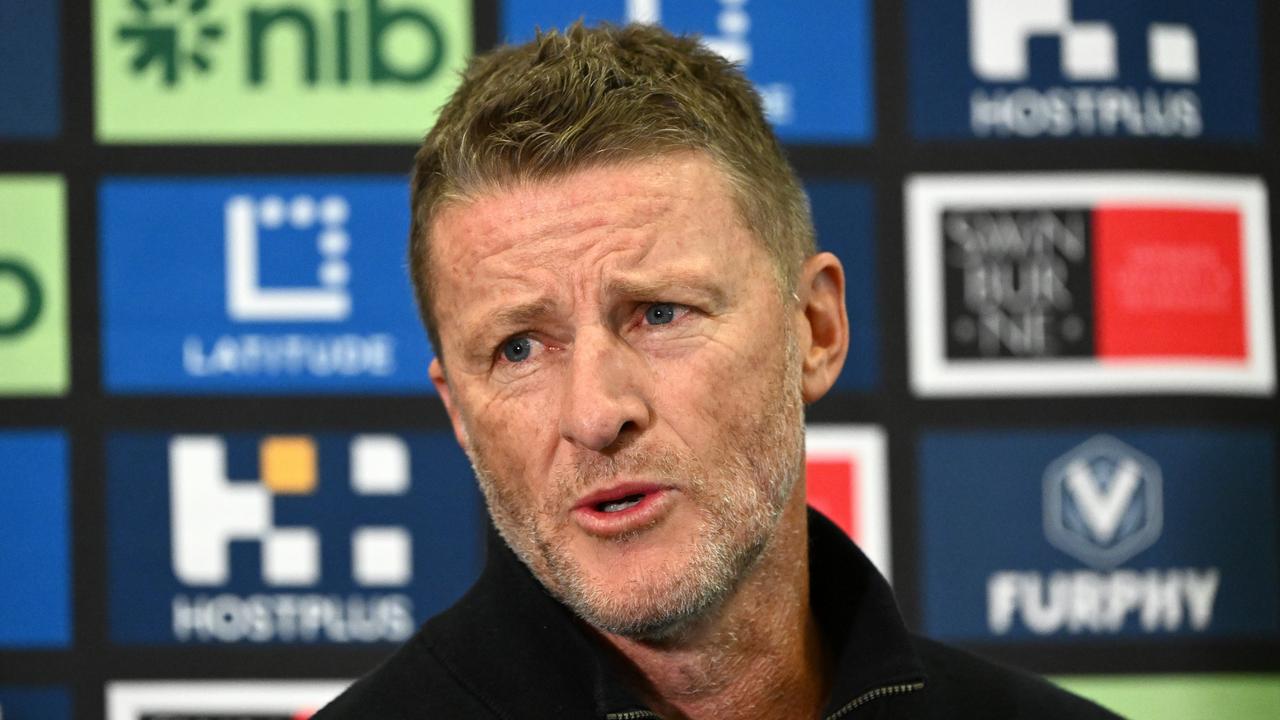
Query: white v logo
[[1102, 511]]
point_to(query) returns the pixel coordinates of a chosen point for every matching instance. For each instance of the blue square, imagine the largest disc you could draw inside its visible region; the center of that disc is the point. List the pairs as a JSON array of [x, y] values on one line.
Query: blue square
[[35, 559], [34, 703], [843, 220], [30, 70]]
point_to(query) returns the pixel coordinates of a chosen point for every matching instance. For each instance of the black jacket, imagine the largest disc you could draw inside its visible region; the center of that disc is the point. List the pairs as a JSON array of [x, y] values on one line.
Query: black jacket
[[508, 650]]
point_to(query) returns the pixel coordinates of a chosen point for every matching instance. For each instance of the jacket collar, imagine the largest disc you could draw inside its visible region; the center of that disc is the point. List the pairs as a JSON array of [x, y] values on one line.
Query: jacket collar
[[507, 620]]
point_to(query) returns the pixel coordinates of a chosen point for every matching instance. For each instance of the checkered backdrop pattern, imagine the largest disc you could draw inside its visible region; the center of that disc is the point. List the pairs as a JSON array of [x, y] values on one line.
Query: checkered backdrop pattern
[[227, 487]]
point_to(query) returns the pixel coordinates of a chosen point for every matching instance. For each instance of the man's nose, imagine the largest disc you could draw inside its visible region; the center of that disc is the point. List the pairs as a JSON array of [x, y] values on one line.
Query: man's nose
[[603, 392]]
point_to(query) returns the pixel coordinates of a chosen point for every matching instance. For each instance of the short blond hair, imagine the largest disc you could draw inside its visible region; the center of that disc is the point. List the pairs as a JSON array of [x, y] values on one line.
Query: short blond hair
[[591, 96]]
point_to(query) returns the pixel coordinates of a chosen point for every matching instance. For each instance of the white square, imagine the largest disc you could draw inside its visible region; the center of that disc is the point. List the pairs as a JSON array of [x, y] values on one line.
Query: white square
[[381, 556], [379, 465], [291, 556], [1089, 52], [1172, 53]]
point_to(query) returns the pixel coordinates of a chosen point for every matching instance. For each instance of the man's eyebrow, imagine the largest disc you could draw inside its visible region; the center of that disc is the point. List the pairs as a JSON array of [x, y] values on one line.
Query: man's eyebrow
[[514, 316], [654, 288]]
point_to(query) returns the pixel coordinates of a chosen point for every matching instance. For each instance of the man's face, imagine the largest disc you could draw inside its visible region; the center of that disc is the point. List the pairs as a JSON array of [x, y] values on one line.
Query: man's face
[[623, 374]]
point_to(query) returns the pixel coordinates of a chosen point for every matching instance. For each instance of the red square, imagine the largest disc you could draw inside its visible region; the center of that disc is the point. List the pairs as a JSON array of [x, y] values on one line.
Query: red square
[[832, 487], [1168, 283]]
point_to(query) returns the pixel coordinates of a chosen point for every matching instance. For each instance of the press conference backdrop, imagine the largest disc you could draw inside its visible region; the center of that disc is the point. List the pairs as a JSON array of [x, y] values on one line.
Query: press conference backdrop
[[227, 487]]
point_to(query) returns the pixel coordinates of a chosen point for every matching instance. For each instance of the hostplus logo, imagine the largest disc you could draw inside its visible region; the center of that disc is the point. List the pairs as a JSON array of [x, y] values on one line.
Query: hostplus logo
[[1084, 68], [1089, 103], [178, 41], [210, 511], [1103, 507]]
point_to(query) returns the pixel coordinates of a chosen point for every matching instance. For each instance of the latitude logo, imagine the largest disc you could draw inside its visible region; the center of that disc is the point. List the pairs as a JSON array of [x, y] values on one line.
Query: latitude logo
[[1102, 502], [295, 70]]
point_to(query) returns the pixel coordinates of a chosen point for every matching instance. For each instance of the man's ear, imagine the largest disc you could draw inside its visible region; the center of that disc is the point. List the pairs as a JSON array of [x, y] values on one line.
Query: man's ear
[[824, 324], [436, 371]]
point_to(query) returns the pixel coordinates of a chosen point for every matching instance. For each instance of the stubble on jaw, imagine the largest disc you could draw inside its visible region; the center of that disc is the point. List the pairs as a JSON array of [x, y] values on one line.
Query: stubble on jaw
[[740, 498]]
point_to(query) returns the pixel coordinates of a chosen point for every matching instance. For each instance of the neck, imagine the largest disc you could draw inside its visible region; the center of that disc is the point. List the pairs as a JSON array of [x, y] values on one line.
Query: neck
[[759, 655]]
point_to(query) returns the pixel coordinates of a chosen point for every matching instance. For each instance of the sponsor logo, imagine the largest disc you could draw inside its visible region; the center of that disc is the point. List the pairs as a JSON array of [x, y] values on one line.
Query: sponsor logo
[[1058, 68], [1049, 284], [269, 70], [31, 75], [304, 289], [1168, 695], [848, 481], [34, 541], [218, 700], [34, 703], [288, 538], [843, 218], [788, 69], [1161, 550], [33, 314]]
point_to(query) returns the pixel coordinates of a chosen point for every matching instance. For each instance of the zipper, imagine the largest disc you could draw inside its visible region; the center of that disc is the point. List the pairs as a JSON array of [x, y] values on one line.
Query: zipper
[[870, 695], [854, 704]]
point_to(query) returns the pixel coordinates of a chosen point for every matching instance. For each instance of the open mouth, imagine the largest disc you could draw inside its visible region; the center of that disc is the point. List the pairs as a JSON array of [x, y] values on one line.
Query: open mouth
[[622, 508], [613, 506]]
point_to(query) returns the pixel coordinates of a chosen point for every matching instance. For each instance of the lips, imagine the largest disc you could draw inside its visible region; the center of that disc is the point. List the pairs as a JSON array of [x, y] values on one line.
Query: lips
[[621, 508]]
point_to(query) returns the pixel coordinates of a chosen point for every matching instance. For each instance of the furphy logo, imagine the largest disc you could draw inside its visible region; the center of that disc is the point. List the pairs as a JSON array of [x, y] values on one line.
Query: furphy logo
[[1048, 284], [201, 70], [33, 309], [1172, 526], [1102, 502], [787, 50], [287, 538], [1084, 68], [218, 700], [847, 479], [35, 542], [30, 69], [304, 287]]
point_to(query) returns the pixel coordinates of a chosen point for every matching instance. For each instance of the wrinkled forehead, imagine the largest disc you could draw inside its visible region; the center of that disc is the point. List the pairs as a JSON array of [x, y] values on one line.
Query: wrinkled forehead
[[535, 223]]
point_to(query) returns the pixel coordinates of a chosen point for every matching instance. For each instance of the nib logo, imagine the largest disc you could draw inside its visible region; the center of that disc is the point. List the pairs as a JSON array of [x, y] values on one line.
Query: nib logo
[[172, 35], [290, 70]]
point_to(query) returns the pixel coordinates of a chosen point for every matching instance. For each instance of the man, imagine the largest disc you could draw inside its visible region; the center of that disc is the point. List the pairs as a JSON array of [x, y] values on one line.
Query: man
[[617, 269]]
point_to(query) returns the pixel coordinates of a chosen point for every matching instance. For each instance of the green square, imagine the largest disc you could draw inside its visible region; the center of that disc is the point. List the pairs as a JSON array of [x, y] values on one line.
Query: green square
[[282, 71], [33, 286]]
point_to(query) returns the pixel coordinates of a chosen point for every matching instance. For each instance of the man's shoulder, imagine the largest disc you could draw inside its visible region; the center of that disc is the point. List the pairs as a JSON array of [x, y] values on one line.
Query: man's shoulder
[[976, 687], [413, 681]]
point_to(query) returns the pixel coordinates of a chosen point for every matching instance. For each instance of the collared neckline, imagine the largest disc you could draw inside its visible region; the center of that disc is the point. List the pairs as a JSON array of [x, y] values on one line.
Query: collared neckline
[[567, 672]]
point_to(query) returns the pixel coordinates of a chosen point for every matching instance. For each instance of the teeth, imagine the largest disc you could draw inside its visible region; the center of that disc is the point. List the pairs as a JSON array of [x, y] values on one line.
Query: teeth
[[620, 505]]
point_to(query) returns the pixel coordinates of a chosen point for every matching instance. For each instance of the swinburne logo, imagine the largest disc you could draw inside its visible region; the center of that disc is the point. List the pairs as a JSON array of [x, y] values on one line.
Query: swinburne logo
[[294, 538], [1046, 284], [1102, 506], [218, 700]]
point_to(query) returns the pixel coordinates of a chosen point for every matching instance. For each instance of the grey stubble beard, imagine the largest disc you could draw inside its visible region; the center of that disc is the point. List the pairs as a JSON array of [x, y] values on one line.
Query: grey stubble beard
[[741, 503]]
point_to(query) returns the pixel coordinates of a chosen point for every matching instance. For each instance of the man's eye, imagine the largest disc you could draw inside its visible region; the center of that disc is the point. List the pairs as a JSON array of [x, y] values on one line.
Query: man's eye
[[660, 313], [517, 349]]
